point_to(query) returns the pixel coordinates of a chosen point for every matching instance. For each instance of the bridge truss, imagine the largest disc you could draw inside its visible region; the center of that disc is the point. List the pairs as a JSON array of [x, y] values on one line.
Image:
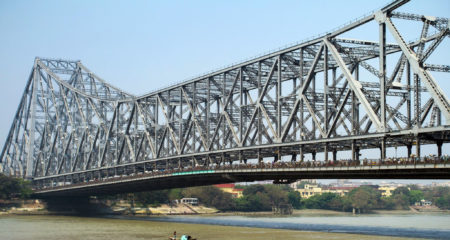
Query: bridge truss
[[333, 93]]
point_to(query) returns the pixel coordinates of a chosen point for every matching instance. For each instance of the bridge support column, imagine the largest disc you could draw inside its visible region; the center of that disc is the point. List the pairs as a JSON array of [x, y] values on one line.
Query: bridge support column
[[409, 148], [439, 148], [279, 154], [383, 149], [302, 155], [334, 155], [418, 147], [325, 152], [260, 159], [313, 155], [355, 153]]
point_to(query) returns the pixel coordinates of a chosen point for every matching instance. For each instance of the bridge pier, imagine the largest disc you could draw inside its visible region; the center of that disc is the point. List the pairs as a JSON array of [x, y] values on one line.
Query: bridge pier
[[355, 152], [439, 147], [294, 157], [260, 159], [334, 155], [383, 149], [302, 156], [325, 152], [409, 148], [418, 147], [313, 153]]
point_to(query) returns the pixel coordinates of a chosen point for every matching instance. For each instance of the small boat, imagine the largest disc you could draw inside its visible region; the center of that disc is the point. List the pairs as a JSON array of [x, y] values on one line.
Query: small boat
[[187, 237], [183, 237]]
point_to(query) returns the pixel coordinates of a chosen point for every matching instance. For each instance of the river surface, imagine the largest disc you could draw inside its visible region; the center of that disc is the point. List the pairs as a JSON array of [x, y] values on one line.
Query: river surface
[[376, 226]]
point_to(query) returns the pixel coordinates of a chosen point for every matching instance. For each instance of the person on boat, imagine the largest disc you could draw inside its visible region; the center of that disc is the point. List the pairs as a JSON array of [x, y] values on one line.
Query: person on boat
[[174, 236]]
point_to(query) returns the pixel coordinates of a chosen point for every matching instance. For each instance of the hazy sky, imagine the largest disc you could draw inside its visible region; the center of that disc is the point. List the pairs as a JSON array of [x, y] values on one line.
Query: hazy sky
[[140, 46]]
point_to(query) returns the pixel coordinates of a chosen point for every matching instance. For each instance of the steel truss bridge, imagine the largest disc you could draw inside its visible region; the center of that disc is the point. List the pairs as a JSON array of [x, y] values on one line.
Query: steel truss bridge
[[73, 133]]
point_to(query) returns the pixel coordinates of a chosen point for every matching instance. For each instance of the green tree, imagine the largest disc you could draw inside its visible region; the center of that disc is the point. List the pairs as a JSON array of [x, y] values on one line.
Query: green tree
[[11, 187], [433, 194], [415, 196], [295, 199], [443, 202], [262, 197], [364, 198], [401, 191], [154, 198], [211, 196], [175, 194], [324, 201]]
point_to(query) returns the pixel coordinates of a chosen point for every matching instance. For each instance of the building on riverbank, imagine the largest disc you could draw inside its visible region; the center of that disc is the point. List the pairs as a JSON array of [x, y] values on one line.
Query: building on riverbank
[[309, 190], [386, 191], [231, 188]]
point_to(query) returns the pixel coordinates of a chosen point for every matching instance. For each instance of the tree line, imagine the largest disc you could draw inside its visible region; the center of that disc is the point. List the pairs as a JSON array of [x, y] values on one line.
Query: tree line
[[263, 197], [14, 188]]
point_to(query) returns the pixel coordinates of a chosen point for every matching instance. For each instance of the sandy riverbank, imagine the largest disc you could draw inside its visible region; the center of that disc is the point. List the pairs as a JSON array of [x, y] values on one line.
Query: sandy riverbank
[[61, 227]]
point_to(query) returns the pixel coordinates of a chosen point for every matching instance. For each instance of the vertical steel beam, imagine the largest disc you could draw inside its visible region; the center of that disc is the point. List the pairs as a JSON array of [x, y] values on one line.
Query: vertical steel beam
[[278, 97], [325, 97], [32, 129], [207, 113], [258, 109], [382, 59], [301, 66], [241, 105], [408, 96]]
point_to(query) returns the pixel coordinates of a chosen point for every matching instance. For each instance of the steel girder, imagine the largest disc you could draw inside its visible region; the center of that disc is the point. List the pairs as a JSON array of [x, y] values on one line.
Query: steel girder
[[321, 95]]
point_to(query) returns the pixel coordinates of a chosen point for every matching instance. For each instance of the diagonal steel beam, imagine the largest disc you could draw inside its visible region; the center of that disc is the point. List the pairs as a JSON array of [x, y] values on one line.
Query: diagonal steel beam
[[439, 97], [355, 86]]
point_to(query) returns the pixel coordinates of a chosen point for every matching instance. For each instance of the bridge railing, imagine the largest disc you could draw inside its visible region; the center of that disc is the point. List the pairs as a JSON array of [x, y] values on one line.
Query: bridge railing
[[56, 183]]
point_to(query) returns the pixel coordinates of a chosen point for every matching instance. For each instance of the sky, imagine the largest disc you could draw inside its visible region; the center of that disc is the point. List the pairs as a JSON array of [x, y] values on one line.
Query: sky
[[140, 46]]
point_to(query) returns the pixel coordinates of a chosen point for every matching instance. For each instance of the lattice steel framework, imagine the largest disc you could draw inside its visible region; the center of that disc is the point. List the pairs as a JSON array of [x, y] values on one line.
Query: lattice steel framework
[[328, 94]]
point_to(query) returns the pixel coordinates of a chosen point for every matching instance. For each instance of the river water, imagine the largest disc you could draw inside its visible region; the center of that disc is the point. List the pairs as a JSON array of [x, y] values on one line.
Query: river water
[[376, 226]]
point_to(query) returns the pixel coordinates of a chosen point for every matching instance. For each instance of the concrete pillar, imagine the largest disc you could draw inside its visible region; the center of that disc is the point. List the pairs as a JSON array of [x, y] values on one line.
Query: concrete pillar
[[325, 152], [313, 155], [334, 155]]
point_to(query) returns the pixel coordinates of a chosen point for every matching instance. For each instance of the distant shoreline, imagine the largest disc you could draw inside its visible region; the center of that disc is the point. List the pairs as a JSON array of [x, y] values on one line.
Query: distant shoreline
[[40, 209]]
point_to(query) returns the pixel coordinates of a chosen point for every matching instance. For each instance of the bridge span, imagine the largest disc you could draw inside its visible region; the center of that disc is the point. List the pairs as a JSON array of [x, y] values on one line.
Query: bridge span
[[329, 98], [123, 179]]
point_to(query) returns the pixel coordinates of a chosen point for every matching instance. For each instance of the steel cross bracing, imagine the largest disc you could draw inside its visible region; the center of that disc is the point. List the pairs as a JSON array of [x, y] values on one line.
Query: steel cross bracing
[[329, 94]]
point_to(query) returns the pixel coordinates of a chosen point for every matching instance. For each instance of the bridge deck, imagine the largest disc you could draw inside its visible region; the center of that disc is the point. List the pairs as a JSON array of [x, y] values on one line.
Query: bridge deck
[[283, 172]]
